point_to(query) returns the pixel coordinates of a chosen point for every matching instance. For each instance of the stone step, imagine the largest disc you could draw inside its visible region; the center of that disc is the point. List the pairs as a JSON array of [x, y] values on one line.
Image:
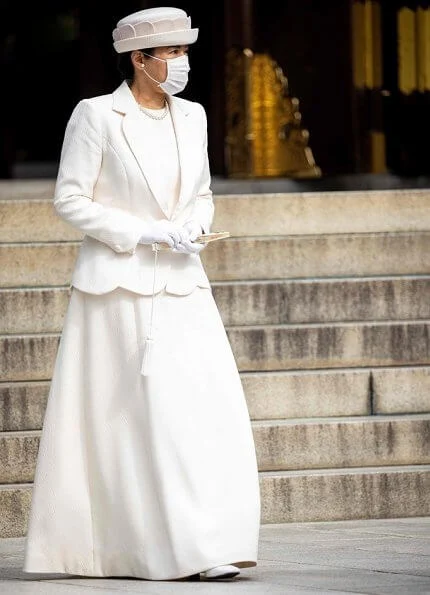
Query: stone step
[[272, 395], [33, 309], [34, 220], [323, 212], [15, 501], [18, 454], [28, 357], [322, 300], [251, 258], [345, 494], [23, 405], [331, 393], [27, 213], [42, 309], [343, 255], [335, 345], [362, 441], [263, 348], [37, 264], [295, 496], [284, 444], [35, 189]]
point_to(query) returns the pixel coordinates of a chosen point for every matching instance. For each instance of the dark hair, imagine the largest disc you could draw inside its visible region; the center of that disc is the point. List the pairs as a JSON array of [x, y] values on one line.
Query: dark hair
[[125, 66]]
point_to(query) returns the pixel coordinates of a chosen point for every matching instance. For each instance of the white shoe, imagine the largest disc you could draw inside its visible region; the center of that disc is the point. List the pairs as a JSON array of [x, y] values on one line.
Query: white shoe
[[227, 571]]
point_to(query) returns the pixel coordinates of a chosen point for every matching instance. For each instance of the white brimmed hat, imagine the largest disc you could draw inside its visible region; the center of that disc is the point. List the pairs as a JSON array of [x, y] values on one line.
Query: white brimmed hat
[[153, 27]]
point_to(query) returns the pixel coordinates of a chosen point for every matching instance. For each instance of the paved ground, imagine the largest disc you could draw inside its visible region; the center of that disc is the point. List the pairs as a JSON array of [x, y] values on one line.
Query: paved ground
[[366, 556]]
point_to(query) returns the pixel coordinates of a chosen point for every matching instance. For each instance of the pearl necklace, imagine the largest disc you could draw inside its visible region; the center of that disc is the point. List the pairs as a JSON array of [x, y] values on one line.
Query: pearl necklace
[[153, 116]]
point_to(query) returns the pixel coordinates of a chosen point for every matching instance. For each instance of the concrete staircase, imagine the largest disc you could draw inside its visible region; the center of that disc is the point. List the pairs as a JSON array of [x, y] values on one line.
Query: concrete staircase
[[325, 300]]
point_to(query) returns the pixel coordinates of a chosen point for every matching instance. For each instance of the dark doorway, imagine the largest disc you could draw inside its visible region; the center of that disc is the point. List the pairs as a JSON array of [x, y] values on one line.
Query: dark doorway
[[406, 86]]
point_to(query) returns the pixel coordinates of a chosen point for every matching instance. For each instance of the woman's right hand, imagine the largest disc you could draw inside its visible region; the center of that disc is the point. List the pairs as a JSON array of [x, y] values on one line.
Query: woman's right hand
[[163, 231]]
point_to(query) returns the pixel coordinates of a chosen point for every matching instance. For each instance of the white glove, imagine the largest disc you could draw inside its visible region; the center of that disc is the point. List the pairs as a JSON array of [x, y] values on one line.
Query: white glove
[[192, 229], [188, 247], [163, 231]]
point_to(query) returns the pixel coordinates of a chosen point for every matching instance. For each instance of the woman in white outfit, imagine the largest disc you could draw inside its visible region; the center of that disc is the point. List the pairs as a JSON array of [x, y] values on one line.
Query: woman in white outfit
[[146, 464]]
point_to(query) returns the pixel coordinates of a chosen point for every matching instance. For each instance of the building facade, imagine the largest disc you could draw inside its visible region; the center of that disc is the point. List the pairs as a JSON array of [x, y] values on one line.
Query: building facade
[[358, 73]]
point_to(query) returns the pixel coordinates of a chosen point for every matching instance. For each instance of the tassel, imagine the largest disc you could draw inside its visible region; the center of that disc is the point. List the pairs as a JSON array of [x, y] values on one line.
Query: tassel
[[149, 341], [146, 361]]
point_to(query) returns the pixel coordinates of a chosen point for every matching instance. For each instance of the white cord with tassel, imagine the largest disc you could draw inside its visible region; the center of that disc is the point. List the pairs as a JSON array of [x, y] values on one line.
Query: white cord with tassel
[[149, 341]]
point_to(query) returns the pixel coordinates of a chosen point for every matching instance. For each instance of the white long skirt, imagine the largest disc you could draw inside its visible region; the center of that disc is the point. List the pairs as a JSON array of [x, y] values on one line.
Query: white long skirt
[[146, 476]]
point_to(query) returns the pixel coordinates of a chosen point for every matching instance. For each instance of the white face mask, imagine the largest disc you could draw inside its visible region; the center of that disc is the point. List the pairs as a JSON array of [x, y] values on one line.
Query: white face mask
[[177, 74]]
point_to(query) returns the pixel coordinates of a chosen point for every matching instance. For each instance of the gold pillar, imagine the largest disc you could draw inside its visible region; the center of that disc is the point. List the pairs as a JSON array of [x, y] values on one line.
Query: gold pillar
[[367, 74], [367, 44], [413, 50]]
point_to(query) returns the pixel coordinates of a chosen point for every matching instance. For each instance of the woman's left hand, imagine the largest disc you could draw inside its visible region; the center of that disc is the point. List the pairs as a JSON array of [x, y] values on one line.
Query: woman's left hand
[[188, 247], [193, 228]]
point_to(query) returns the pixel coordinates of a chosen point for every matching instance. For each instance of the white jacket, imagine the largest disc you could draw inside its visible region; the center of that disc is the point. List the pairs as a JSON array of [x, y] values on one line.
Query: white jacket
[[104, 188]]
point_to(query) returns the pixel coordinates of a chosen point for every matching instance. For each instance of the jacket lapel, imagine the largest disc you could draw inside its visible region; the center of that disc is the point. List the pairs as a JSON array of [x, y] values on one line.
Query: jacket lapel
[[125, 103], [184, 136]]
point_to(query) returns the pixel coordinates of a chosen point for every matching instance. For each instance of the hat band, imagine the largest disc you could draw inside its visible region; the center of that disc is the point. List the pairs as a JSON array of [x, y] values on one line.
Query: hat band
[[182, 37]]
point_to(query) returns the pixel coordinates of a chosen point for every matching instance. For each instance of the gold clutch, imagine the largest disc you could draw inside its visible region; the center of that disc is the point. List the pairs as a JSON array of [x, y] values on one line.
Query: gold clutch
[[205, 238]]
